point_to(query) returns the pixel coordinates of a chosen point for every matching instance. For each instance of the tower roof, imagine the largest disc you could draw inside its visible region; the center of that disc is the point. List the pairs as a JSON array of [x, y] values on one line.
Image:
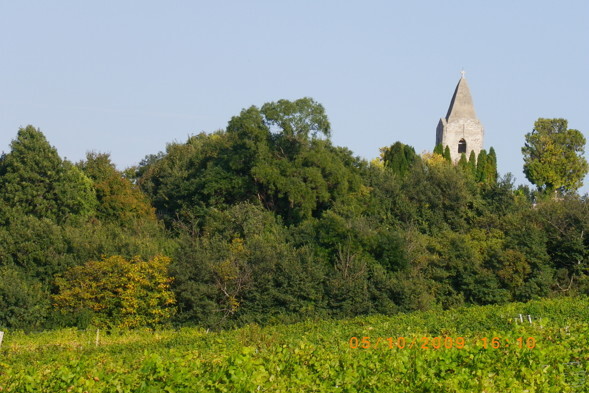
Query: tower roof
[[461, 106]]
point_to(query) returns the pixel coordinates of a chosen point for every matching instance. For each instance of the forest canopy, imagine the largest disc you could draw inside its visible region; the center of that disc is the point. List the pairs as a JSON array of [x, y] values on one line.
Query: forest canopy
[[267, 221]]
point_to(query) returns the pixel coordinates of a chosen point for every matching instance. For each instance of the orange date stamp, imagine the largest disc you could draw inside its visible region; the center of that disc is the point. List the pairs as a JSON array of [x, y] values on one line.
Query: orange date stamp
[[427, 343]]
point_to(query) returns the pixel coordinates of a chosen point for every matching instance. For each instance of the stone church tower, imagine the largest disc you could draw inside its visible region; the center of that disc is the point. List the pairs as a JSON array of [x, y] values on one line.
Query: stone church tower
[[461, 130]]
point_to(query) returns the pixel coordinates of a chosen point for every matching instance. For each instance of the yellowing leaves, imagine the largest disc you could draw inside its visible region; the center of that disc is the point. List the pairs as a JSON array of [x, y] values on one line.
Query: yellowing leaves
[[120, 292], [232, 275], [433, 159]]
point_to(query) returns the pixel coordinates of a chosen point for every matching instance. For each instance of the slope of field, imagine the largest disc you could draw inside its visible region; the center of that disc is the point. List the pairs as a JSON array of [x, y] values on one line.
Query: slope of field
[[476, 349]]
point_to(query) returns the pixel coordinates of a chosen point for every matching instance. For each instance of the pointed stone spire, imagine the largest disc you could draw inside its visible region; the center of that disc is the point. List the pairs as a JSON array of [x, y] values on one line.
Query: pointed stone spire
[[461, 106], [460, 130]]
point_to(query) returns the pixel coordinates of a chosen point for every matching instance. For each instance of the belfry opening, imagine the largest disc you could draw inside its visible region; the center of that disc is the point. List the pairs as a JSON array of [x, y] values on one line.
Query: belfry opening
[[462, 146]]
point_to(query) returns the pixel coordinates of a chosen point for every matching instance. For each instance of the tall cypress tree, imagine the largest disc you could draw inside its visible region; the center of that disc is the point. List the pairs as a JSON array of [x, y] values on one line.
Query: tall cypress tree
[[447, 155], [410, 155], [481, 166], [439, 149], [472, 163], [399, 157], [463, 163], [491, 167], [395, 159]]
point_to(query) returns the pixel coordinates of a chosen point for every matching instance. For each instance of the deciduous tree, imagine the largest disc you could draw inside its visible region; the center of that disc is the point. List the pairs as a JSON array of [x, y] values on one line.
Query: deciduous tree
[[119, 292], [553, 156], [118, 199]]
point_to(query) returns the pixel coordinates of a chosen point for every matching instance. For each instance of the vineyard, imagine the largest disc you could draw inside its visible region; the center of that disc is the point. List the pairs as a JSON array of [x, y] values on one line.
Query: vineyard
[[540, 346]]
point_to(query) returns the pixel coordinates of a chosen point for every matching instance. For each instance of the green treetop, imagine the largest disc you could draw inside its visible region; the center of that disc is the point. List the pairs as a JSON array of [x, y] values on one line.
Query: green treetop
[[118, 199], [481, 165], [447, 154], [35, 180], [399, 157], [491, 167], [553, 156]]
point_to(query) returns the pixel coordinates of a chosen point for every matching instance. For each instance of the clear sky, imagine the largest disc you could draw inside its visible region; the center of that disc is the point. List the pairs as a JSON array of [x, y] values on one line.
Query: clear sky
[[127, 77]]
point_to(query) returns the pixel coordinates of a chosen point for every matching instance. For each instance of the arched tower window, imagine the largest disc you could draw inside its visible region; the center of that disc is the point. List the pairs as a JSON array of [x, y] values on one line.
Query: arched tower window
[[462, 146]]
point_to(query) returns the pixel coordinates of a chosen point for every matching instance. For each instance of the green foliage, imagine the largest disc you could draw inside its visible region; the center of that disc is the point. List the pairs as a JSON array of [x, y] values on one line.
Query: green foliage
[[491, 167], [119, 293], [242, 267], [23, 302], [36, 246], [267, 221], [447, 156], [456, 263], [565, 224], [553, 156], [486, 167], [35, 180], [320, 356], [270, 156], [472, 163], [463, 163], [438, 197], [42, 248], [481, 173], [118, 199], [439, 149], [301, 119], [187, 176], [399, 158], [302, 188]]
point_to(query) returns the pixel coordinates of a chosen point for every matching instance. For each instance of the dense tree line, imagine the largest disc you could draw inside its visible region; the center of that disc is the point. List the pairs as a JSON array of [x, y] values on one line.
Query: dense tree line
[[268, 221]]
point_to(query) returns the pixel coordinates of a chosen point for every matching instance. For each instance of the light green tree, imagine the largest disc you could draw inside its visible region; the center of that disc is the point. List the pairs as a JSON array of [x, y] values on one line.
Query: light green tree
[[463, 163], [447, 154], [553, 156]]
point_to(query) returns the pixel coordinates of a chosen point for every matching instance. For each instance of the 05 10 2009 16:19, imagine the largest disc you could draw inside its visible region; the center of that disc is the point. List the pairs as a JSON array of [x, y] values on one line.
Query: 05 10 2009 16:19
[[425, 343], [406, 342]]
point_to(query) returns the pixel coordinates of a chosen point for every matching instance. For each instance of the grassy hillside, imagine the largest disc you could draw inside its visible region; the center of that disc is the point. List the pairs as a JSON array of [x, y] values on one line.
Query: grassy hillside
[[419, 352]]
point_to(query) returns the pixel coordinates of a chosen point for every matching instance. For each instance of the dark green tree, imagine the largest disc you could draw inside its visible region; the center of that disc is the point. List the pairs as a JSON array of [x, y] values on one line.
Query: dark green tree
[[35, 180], [481, 166], [491, 167], [472, 163], [565, 222], [439, 149], [241, 267], [274, 156], [399, 157], [436, 196], [24, 303]]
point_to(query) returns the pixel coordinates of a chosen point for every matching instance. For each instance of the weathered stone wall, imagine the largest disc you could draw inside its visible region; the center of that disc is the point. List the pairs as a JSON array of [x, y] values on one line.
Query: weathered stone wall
[[450, 134]]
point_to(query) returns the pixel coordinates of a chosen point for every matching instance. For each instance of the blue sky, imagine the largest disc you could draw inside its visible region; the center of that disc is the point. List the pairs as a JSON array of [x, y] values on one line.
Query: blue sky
[[127, 77]]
